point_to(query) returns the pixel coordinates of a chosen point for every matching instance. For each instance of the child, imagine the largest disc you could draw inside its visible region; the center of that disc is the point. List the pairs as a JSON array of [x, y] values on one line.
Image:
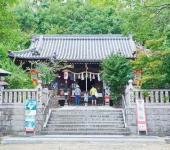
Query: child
[[86, 97]]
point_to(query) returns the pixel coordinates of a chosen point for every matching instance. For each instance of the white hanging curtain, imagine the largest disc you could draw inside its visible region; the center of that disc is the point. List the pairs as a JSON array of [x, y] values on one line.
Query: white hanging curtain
[[86, 75], [82, 76], [74, 77], [90, 76], [98, 76], [78, 76], [93, 76]]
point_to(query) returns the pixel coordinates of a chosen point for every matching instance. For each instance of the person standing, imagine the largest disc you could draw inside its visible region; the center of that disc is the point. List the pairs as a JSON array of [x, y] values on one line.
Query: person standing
[[77, 94], [93, 93]]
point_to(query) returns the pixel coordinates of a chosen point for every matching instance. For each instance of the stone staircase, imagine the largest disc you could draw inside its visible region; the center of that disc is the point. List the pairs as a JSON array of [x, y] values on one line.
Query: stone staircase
[[83, 120]]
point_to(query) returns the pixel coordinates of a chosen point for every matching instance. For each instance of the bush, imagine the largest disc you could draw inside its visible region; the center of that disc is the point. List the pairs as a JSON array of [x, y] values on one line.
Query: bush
[[19, 78], [116, 71]]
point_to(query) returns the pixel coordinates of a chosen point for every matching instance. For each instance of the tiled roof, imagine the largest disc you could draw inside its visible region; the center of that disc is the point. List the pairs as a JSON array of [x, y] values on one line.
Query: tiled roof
[[77, 47]]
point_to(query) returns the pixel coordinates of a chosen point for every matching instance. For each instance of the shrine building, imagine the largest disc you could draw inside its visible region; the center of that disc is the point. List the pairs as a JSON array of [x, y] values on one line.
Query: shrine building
[[84, 52]]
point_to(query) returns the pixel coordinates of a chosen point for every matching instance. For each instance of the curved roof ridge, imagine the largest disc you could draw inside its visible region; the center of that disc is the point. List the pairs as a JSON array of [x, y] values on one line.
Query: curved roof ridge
[[84, 47], [80, 36]]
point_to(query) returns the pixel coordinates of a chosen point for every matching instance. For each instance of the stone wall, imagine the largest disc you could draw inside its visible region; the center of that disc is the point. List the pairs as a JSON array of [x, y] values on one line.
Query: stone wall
[[12, 119], [158, 120]]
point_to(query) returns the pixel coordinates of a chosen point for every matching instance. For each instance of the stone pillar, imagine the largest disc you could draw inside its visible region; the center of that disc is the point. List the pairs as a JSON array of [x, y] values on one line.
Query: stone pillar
[[1, 94], [129, 93], [39, 93]]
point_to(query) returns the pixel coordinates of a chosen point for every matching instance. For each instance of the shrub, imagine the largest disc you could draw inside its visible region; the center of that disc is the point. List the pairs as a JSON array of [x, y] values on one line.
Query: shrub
[[19, 78], [116, 71]]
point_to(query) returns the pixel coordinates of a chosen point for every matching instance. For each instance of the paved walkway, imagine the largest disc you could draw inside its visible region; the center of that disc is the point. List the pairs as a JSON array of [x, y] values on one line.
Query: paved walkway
[[84, 143], [72, 145]]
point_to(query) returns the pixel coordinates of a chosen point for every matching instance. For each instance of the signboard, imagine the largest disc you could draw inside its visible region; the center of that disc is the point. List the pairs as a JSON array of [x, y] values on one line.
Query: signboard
[[30, 115], [141, 116], [29, 123]]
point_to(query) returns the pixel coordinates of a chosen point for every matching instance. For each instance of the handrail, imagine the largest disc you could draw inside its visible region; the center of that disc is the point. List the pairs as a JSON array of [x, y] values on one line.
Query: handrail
[[47, 118], [46, 112], [44, 109]]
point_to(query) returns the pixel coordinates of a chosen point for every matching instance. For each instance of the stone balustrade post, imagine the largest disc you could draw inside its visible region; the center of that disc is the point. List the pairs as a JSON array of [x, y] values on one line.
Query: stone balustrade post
[[129, 93], [39, 93], [1, 95]]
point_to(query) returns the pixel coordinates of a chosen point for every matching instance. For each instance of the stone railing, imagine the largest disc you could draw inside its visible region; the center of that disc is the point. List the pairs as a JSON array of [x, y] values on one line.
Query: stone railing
[[12, 106], [150, 96], [9, 96]]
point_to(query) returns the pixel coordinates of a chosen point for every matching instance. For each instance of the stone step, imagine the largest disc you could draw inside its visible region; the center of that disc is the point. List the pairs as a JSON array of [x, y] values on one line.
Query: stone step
[[82, 128], [90, 108], [87, 132], [87, 111], [86, 115], [90, 127], [83, 116], [85, 126], [85, 121]]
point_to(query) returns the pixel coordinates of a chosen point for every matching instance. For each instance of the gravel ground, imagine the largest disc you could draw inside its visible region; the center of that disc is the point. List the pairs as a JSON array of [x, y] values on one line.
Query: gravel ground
[[89, 146]]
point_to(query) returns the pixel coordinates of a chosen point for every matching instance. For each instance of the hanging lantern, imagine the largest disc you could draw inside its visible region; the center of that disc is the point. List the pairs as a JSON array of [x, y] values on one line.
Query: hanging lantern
[[93, 76], [98, 76], [65, 74]]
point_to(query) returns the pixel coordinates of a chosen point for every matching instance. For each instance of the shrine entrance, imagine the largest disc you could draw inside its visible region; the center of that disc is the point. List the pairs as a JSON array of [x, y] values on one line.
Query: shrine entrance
[[84, 75]]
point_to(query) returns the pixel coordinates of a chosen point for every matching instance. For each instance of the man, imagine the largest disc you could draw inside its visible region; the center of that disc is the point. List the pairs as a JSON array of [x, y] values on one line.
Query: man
[[77, 94], [93, 93]]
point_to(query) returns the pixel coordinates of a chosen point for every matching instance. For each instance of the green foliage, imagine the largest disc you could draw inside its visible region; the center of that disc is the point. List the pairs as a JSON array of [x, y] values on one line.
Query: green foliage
[[166, 99], [70, 18], [145, 94], [116, 72], [149, 23], [49, 71], [46, 73], [8, 26], [11, 38], [19, 78], [156, 73]]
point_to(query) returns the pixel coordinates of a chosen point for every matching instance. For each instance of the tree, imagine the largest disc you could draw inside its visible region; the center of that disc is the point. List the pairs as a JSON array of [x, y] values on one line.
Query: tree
[[116, 71], [149, 23], [156, 73], [11, 38], [68, 18]]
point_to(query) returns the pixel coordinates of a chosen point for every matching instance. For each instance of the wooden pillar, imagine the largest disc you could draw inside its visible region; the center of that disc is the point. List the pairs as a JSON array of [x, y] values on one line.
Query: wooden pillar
[[86, 75]]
